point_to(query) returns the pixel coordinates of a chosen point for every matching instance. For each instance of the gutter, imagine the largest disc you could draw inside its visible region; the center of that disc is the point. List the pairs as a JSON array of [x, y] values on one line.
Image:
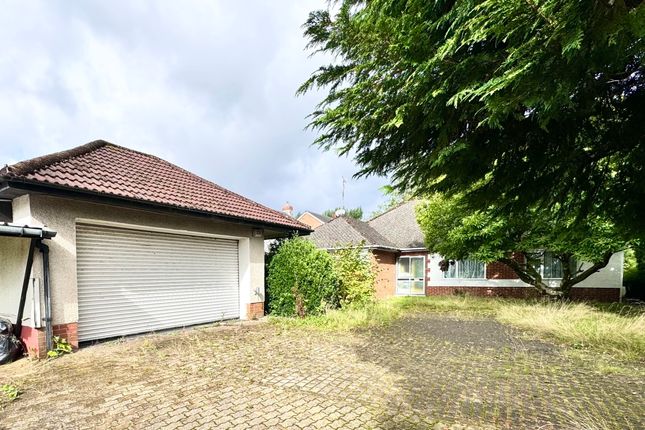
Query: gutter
[[16, 230], [376, 247], [36, 236]]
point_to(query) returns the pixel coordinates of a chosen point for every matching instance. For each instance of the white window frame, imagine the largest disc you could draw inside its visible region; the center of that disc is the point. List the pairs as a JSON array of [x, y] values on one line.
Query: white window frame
[[410, 279], [457, 262], [542, 267]]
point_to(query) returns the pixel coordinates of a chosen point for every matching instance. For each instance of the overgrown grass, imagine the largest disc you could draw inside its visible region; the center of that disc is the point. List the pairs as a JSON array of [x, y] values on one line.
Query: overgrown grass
[[582, 326], [615, 329], [374, 314]]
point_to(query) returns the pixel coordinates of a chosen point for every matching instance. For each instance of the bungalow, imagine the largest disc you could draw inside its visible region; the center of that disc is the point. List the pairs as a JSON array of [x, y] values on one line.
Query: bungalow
[[406, 267], [135, 244]]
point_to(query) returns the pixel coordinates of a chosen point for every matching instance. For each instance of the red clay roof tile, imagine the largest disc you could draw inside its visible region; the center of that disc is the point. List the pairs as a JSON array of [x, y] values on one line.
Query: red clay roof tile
[[121, 172]]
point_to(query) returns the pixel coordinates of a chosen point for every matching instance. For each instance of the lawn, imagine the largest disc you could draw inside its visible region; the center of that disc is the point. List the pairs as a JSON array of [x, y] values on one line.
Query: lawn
[[617, 329]]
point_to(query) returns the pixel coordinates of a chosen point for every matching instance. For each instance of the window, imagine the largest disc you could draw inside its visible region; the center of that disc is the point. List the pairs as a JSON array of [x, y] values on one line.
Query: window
[[410, 276], [465, 269], [550, 267]]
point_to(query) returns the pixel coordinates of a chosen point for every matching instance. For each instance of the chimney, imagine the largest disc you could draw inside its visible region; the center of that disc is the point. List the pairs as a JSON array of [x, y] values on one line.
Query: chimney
[[288, 209]]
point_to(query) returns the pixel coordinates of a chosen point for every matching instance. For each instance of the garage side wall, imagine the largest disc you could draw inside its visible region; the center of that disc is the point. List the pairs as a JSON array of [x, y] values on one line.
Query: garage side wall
[[62, 214], [13, 259]]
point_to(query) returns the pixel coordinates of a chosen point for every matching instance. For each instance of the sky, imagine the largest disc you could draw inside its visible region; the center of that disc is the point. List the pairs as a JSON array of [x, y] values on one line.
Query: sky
[[207, 85]]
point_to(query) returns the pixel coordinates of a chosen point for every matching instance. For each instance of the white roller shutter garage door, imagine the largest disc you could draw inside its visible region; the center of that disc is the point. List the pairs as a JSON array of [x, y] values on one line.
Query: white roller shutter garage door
[[133, 281]]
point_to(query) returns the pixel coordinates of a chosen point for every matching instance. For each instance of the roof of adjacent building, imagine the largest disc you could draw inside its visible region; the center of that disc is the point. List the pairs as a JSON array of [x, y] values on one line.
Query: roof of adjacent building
[[399, 225], [343, 231], [110, 170], [396, 229]]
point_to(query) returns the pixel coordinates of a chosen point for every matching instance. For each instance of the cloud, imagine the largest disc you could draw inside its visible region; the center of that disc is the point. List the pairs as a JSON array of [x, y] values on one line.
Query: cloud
[[207, 85]]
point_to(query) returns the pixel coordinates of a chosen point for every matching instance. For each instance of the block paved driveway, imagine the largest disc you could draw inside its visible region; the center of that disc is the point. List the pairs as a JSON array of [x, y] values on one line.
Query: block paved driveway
[[420, 370]]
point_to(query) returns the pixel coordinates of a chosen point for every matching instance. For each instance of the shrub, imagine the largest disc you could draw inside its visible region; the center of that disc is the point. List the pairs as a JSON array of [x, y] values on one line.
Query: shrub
[[356, 275], [301, 280]]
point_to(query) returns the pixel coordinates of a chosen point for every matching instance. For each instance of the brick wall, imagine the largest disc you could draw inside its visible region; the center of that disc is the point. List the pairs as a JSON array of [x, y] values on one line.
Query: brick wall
[[592, 294], [515, 292], [34, 341], [34, 338], [597, 294], [255, 310], [499, 270], [386, 273], [67, 331]]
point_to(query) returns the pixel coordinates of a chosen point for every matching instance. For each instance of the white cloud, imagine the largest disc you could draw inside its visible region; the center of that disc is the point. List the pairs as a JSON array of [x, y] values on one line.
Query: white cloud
[[207, 85]]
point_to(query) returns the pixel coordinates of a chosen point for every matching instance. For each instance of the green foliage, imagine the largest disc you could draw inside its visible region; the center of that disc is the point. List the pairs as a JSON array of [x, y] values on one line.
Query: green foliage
[[301, 280], [542, 98], [61, 347], [456, 231], [356, 213], [356, 274], [10, 392], [634, 275]]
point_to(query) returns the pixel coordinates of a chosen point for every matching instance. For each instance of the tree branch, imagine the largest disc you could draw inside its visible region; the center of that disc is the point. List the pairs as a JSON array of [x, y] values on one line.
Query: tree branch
[[593, 269]]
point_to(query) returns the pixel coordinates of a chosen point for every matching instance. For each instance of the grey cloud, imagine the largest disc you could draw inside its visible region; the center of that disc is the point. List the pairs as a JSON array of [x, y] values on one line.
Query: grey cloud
[[207, 85]]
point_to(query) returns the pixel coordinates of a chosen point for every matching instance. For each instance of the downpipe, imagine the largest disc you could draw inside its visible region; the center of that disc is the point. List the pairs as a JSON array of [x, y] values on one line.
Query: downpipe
[[44, 249]]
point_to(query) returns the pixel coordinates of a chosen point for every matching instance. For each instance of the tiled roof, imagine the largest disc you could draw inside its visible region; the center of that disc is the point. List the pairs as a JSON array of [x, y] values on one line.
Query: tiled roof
[[112, 170], [399, 225], [343, 231]]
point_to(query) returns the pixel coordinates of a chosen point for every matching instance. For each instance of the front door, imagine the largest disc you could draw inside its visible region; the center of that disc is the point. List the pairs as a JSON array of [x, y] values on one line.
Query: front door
[[410, 277]]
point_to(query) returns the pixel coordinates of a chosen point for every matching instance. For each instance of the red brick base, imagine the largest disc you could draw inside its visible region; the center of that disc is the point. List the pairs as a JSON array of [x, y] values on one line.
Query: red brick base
[[68, 332], [255, 310], [34, 341], [514, 292], [34, 338], [594, 294]]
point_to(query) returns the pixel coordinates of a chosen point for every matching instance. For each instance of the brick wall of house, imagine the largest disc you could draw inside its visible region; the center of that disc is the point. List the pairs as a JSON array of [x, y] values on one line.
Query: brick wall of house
[[597, 294], [592, 294], [386, 273], [499, 270], [514, 292]]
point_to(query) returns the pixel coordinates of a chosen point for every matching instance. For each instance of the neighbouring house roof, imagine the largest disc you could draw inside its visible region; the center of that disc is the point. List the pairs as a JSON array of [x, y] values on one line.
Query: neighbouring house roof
[[399, 225], [105, 169], [396, 229], [343, 231]]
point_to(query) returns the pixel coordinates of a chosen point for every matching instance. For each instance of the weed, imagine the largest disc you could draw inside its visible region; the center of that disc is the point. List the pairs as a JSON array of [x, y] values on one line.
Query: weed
[[61, 346], [9, 392]]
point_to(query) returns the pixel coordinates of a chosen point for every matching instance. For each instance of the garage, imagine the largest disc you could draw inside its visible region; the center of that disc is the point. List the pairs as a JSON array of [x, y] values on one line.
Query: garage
[[141, 245], [134, 281]]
